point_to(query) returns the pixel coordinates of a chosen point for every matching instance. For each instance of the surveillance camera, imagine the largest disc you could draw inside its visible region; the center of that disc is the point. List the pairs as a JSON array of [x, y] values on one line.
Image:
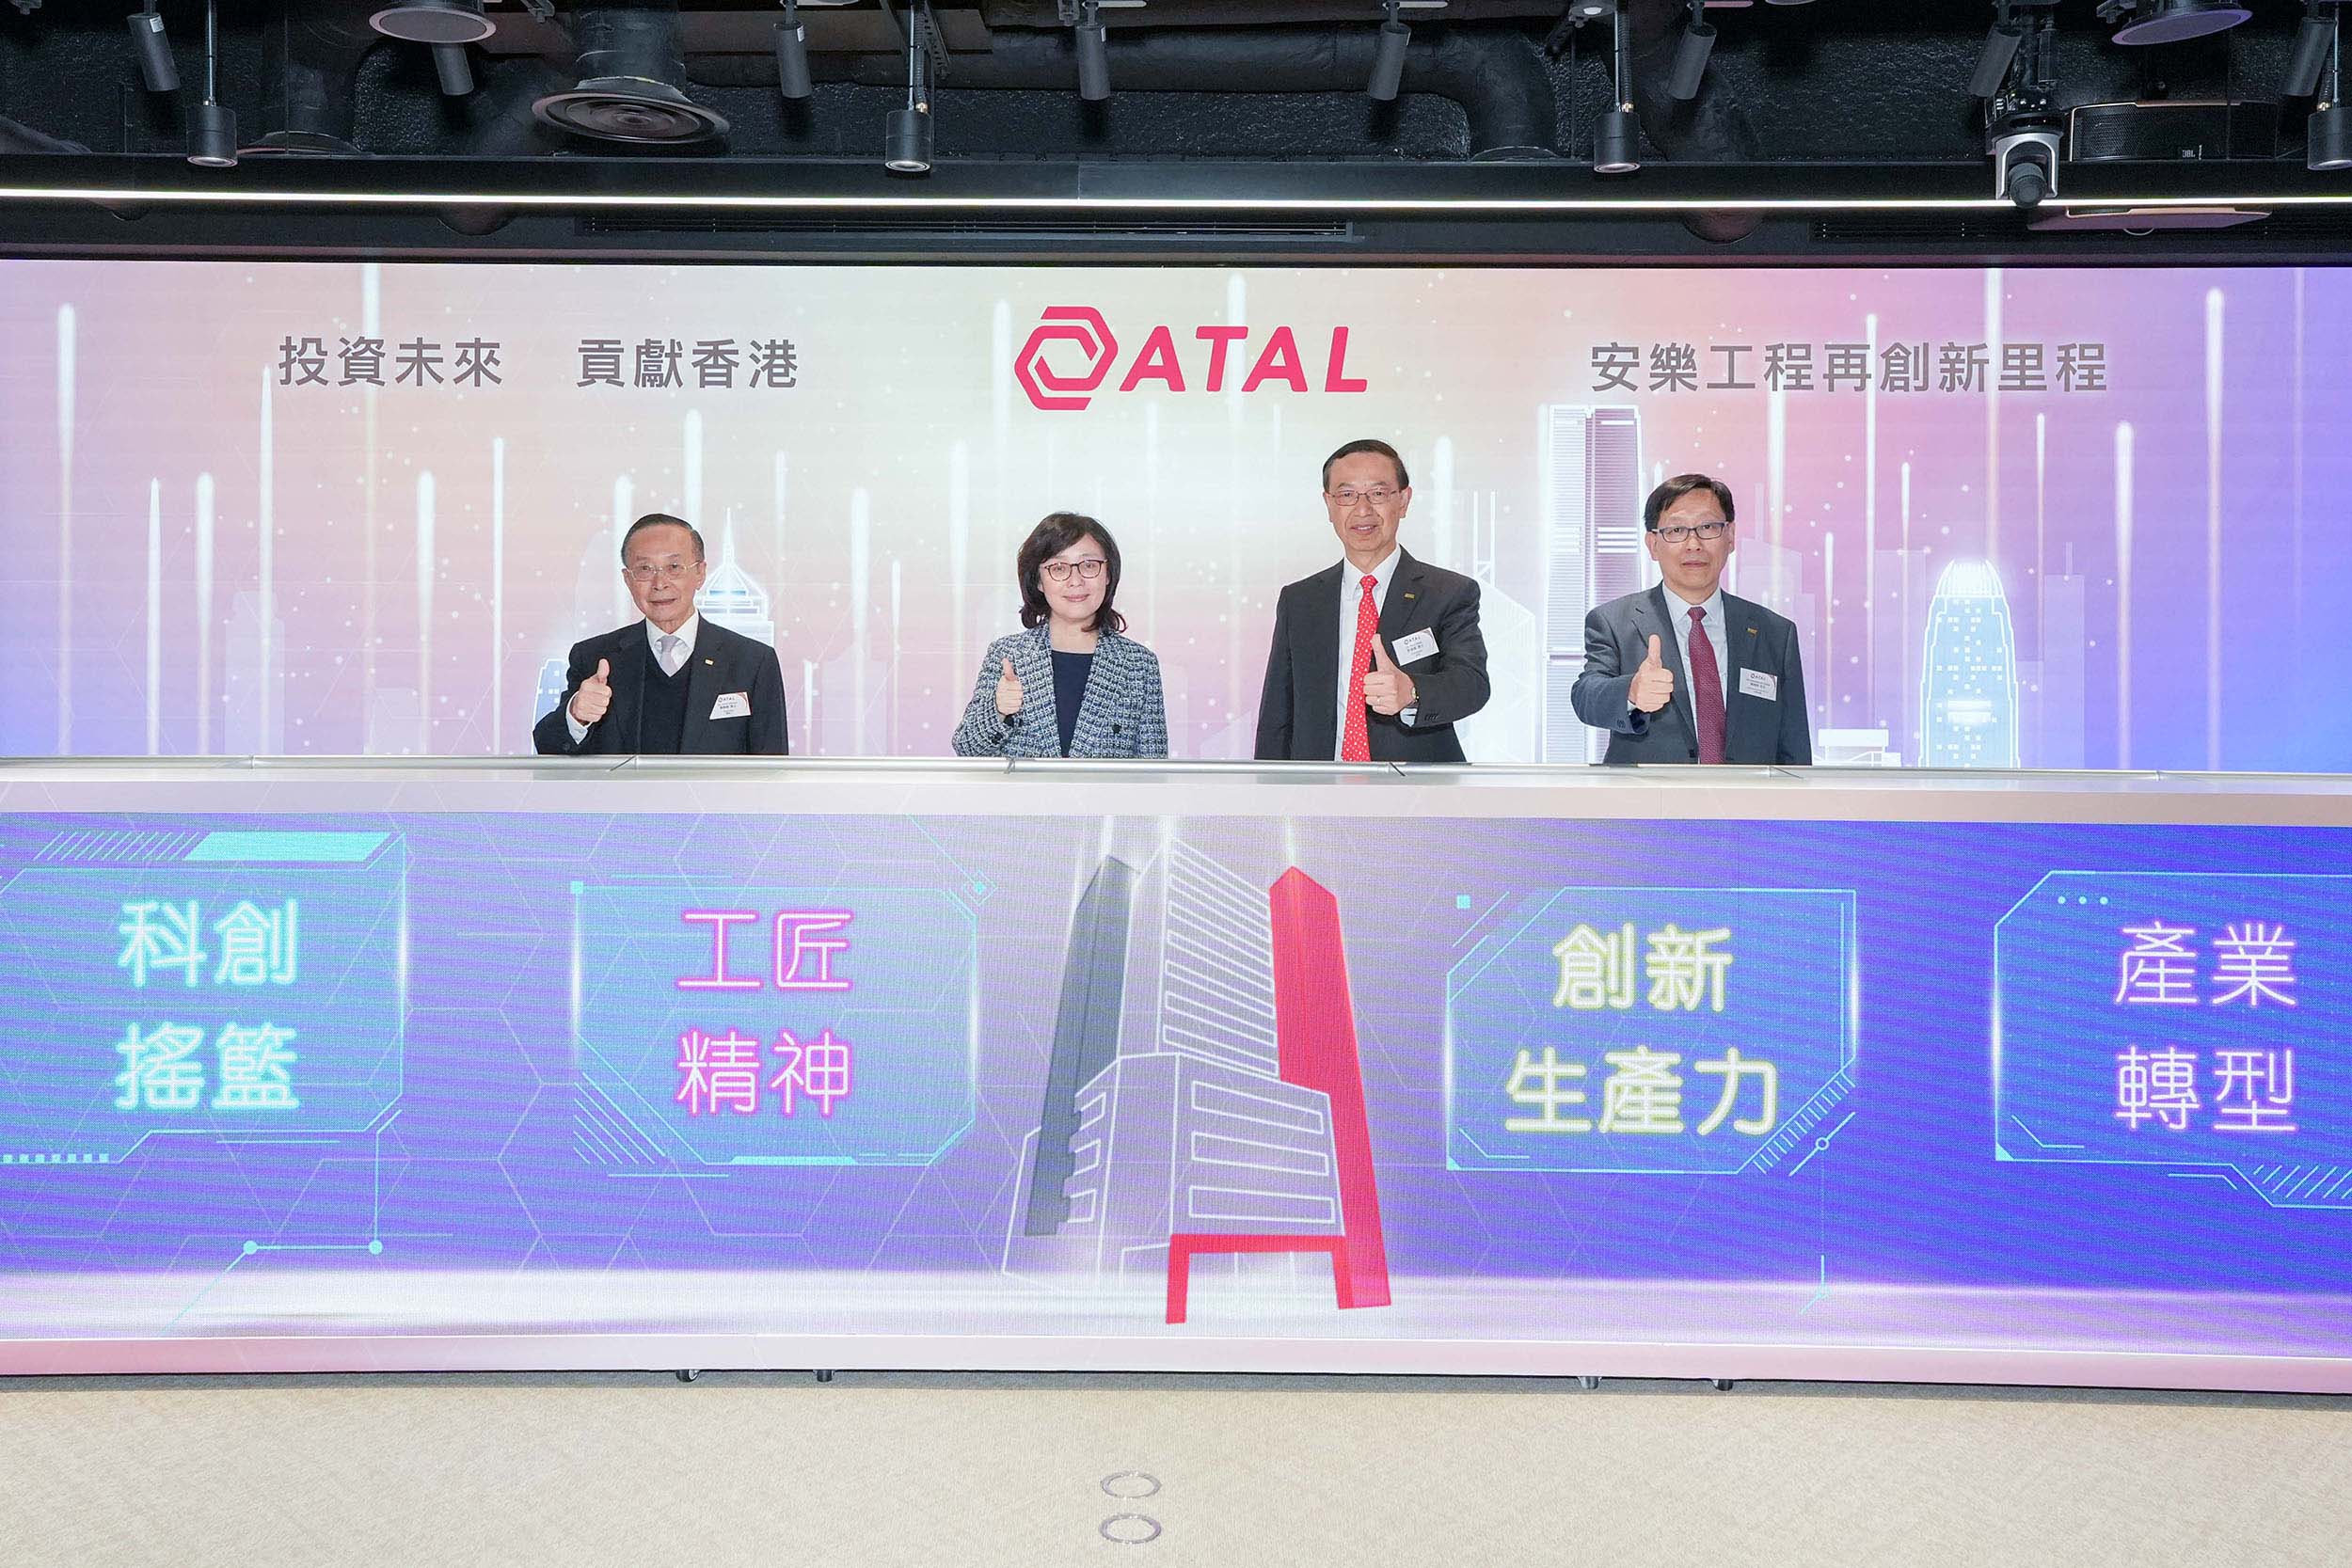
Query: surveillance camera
[[2026, 166]]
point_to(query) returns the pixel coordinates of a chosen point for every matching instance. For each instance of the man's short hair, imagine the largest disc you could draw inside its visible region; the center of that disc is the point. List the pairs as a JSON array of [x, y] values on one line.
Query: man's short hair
[[663, 519], [1679, 486], [1354, 448]]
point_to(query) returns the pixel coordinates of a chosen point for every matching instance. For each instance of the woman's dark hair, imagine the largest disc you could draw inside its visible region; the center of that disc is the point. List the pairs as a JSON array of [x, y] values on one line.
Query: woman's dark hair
[[1057, 534]]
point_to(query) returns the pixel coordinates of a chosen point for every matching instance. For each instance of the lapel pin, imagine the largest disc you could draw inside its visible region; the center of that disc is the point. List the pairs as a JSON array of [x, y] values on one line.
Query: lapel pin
[[714, 661], [1409, 595]]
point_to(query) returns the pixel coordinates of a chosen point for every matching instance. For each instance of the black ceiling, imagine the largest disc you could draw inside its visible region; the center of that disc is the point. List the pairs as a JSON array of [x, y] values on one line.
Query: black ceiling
[[1881, 81]]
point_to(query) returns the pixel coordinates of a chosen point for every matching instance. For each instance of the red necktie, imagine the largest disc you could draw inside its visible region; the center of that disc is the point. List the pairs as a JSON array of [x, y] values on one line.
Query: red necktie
[[1355, 744], [1706, 689]]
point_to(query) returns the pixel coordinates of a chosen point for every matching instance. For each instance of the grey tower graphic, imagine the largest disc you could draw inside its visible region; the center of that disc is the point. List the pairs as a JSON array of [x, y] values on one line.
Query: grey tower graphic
[[1163, 1107], [1968, 680], [1592, 549]]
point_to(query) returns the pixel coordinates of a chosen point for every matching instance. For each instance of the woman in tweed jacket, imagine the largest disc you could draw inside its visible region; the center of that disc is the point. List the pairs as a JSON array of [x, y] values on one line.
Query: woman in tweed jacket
[[1070, 685]]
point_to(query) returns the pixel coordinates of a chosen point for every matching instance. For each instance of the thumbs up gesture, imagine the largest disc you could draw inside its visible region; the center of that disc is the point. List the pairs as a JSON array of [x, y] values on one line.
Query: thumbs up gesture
[[594, 696], [1386, 689], [1007, 692], [1653, 683]]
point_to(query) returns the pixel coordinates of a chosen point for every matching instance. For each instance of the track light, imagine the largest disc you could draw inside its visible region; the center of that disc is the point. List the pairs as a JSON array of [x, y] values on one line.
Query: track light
[[793, 79], [2146, 21], [1998, 54], [1617, 144], [153, 46], [907, 142], [1095, 57], [454, 70], [1387, 62], [2314, 42], [211, 126], [2331, 146], [1691, 55], [2331, 139]]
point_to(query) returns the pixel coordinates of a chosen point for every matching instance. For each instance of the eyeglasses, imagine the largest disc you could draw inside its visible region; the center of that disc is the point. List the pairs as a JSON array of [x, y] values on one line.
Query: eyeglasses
[[1379, 495], [645, 572], [1088, 570], [1681, 531]]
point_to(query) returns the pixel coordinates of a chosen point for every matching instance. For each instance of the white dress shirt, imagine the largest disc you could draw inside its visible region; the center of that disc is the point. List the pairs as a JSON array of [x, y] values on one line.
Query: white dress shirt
[[681, 649], [1351, 593]]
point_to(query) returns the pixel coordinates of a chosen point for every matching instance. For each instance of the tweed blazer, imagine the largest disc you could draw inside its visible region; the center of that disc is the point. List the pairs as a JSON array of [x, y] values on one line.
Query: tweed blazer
[[1123, 715]]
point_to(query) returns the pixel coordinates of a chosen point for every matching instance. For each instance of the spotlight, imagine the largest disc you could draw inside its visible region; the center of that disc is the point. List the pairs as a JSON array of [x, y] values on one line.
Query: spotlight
[[1998, 54], [1691, 55], [2314, 42], [907, 143], [212, 135], [2331, 139], [1617, 144], [1388, 63], [454, 70], [908, 149], [212, 125], [2145, 21], [153, 46], [793, 79], [1094, 58]]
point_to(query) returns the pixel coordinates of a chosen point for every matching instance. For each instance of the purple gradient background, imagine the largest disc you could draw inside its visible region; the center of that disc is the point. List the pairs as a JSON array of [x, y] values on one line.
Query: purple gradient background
[[1922, 1236], [878, 502]]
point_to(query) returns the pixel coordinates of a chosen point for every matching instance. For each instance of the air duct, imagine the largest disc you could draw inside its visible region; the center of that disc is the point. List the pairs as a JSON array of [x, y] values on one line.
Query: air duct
[[311, 54], [631, 79]]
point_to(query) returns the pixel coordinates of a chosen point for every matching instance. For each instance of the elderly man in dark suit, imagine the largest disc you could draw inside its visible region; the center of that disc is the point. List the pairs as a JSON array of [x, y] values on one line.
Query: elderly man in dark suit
[[1375, 658], [1684, 672], [672, 684]]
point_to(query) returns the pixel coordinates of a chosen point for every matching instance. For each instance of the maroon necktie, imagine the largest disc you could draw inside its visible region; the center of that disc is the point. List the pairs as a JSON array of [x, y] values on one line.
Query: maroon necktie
[[1706, 689]]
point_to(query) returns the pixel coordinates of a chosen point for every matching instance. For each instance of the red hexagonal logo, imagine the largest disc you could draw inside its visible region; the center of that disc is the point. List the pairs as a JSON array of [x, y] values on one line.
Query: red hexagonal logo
[[1048, 388]]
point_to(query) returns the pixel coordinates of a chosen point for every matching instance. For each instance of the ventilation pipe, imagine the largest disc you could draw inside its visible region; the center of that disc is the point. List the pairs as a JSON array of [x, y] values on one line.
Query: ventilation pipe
[[631, 86]]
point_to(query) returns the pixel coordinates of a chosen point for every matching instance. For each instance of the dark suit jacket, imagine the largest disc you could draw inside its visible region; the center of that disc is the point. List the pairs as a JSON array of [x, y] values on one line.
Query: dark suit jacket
[[1756, 730], [723, 662], [1299, 713]]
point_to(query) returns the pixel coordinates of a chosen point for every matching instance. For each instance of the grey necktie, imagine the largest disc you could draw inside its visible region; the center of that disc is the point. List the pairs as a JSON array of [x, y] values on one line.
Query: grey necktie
[[665, 649]]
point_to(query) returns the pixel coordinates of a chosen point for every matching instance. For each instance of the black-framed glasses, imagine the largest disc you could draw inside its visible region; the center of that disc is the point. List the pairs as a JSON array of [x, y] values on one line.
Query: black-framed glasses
[[1088, 570], [1681, 531]]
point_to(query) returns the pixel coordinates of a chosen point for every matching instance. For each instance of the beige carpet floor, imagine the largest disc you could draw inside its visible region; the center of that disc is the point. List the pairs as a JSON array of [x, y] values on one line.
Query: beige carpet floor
[[982, 1471]]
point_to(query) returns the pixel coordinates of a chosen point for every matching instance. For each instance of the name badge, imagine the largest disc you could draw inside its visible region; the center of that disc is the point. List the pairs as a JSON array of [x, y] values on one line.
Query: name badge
[[1419, 645], [1756, 683], [734, 705]]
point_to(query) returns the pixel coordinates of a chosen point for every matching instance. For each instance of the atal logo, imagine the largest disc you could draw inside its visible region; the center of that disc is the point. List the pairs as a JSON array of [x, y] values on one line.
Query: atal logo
[[1072, 352]]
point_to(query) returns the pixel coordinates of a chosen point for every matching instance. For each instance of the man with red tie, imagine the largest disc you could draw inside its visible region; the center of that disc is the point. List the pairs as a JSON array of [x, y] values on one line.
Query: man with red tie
[[1685, 672], [1374, 659]]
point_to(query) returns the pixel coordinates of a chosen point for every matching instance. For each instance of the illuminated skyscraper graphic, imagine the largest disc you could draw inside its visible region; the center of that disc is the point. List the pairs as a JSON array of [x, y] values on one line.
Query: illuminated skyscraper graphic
[[550, 690], [1591, 548], [1184, 1103], [1968, 684], [731, 599]]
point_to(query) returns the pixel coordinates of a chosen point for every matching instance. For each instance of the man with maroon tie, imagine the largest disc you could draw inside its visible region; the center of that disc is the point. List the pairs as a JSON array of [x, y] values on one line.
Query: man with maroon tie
[[1685, 672], [1374, 659]]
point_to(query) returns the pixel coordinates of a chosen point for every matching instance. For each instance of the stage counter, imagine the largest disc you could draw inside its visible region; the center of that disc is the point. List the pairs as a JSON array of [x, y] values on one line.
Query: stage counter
[[1981, 1077]]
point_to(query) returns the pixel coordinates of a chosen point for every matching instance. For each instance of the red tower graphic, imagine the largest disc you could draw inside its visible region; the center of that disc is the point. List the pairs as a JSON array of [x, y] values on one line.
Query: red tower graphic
[[1316, 1036]]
